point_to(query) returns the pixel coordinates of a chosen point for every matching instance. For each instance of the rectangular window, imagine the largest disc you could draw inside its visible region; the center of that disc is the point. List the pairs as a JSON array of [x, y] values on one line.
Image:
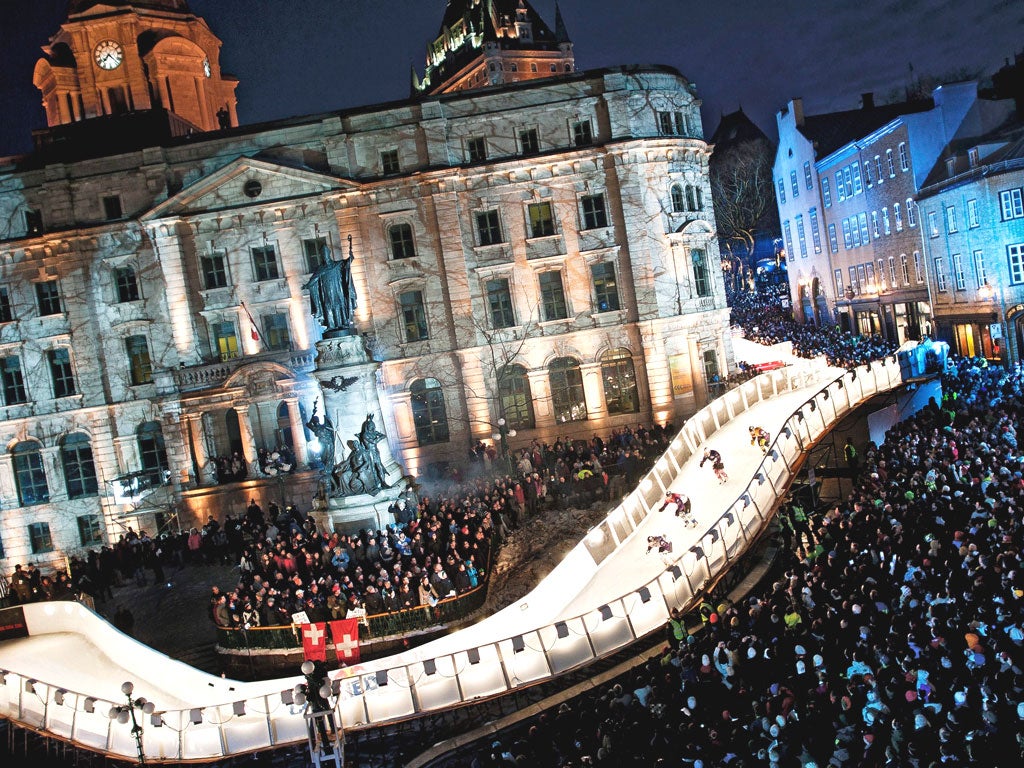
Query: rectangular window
[[60, 372], [933, 223], [889, 162], [847, 234], [815, 230], [959, 279], [529, 142], [33, 221], [972, 214], [402, 244], [1015, 256], [847, 182], [826, 193], [951, 219], [838, 276], [1011, 203], [90, 531], [14, 383], [854, 285], [476, 149], [833, 241], [867, 175], [973, 157], [808, 179], [313, 251], [594, 215], [880, 274], [863, 219], [918, 267], [6, 310], [140, 368], [855, 231], [606, 291], [886, 228], [39, 538], [552, 296], [857, 188], [875, 229], [275, 331], [48, 296], [225, 340], [127, 285], [264, 263], [892, 272], [488, 228], [665, 124], [878, 169], [801, 236], [979, 268], [112, 207], [940, 275], [787, 233], [869, 277], [499, 301], [389, 161], [897, 215], [911, 212], [542, 220], [794, 184], [414, 316], [582, 135], [861, 279], [782, 191], [904, 157], [905, 268], [215, 273]]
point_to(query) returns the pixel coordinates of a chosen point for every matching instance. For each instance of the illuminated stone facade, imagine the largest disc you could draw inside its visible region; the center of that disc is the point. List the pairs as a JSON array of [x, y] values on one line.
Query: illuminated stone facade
[[542, 253]]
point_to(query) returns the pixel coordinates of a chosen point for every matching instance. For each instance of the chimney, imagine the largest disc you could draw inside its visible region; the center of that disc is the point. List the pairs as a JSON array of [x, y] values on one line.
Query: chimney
[[867, 100], [797, 106]]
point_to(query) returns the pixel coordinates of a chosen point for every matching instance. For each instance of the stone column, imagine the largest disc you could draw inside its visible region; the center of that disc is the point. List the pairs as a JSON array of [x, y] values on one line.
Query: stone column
[[298, 431], [593, 390], [245, 429], [198, 440]]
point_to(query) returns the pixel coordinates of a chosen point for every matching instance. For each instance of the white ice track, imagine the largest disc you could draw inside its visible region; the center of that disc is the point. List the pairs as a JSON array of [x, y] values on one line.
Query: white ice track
[[604, 594]]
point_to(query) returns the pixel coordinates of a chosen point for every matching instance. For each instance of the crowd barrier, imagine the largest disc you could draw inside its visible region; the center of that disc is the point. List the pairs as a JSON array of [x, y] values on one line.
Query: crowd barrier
[[209, 718]]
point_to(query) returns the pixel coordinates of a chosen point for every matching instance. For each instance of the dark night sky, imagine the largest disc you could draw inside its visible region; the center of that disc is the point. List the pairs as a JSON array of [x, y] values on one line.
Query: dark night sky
[[297, 57]]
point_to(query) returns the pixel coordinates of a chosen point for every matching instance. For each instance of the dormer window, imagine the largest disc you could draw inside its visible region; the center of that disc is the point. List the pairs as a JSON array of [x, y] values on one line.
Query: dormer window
[[973, 157], [950, 166]]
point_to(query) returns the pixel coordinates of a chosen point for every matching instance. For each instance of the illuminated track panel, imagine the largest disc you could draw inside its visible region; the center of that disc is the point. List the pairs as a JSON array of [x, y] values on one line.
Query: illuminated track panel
[[604, 594]]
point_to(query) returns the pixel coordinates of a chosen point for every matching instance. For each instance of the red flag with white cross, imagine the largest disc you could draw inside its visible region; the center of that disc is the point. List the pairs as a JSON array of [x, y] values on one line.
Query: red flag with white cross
[[314, 642], [345, 634]]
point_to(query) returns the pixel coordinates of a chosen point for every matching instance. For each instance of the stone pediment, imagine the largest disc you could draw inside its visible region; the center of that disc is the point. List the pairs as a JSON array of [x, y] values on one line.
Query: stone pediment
[[247, 183]]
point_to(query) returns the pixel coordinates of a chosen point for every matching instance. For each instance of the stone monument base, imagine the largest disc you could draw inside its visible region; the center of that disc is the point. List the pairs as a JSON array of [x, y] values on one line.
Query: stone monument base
[[348, 514]]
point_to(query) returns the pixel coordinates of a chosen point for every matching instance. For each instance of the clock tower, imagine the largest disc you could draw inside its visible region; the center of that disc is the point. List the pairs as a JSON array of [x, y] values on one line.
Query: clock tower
[[114, 57]]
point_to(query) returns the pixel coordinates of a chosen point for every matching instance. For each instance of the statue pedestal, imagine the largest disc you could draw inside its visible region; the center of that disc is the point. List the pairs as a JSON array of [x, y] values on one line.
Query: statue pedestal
[[348, 380]]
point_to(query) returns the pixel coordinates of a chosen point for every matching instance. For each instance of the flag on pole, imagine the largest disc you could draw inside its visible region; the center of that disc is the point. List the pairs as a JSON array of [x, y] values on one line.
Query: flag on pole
[[314, 642], [252, 322], [345, 634]]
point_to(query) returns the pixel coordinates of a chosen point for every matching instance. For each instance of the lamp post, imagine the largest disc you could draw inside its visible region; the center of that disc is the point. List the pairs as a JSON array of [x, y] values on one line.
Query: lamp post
[[501, 437], [125, 712], [315, 694]]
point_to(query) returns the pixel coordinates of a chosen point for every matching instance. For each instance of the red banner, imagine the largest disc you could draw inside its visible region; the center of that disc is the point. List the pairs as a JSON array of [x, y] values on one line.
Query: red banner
[[314, 642], [345, 634]]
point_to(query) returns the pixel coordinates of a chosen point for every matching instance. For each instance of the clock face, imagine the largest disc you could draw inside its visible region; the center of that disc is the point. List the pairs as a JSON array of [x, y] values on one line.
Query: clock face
[[206, 67], [109, 54]]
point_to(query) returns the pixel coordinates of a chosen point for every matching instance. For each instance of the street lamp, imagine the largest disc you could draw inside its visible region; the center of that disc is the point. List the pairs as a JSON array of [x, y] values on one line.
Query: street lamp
[[316, 693], [501, 437], [125, 712]]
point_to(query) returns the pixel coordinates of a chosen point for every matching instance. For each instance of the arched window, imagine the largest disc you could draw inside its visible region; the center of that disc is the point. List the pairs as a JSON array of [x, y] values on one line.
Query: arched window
[[402, 245], [678, 206], [701, 283], [152, 452], [691, 198], [516, 400], [567, 398], [428, 412], [699, 196], [619, 379], [79, 470], [29, 475]]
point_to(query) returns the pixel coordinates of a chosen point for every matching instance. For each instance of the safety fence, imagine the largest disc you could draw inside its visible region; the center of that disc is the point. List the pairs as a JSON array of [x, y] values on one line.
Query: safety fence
[[211, 718]]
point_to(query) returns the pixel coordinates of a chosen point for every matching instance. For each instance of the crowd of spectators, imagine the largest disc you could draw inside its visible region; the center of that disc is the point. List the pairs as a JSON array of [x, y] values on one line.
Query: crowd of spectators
[[765, 321], [892, 633]]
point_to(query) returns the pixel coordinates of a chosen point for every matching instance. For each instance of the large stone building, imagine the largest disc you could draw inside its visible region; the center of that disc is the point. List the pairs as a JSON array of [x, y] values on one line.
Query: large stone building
[[845, 186], [532, 260]]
